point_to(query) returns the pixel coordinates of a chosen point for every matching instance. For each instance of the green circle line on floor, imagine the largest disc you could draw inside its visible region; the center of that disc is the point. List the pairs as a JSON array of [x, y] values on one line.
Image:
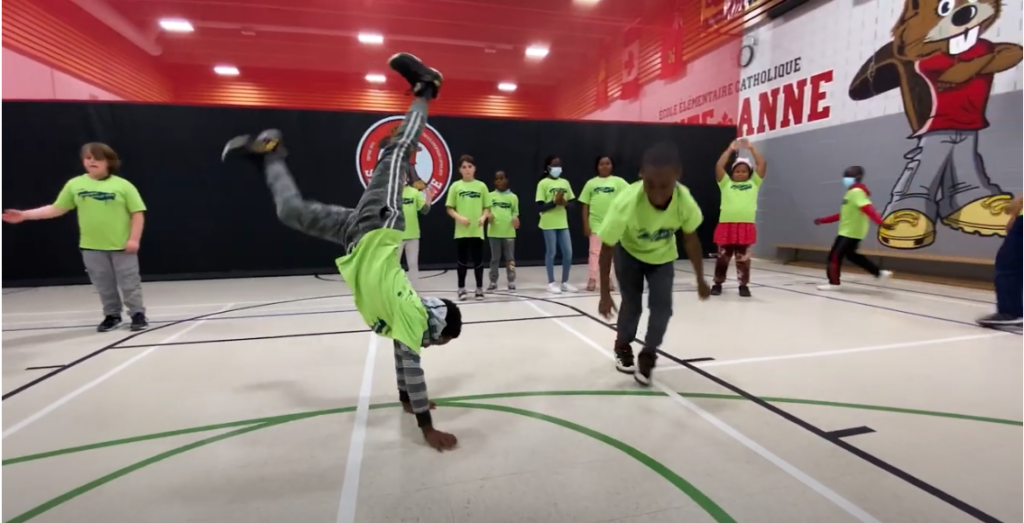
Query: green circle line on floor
[[252, 425]]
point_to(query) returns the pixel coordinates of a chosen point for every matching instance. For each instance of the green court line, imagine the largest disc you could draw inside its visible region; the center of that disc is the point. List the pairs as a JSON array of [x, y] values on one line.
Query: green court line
[[709, 506], [501, 395], [716, 512]]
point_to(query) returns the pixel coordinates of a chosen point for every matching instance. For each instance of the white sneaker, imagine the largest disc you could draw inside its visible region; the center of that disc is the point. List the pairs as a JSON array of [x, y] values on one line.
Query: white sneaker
[[568, 287], [554, 288], [883, 276], [828, 287]]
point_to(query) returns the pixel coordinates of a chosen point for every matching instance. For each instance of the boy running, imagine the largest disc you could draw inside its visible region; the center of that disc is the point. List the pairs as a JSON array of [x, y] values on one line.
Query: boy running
[[640, 232], [371, 233]]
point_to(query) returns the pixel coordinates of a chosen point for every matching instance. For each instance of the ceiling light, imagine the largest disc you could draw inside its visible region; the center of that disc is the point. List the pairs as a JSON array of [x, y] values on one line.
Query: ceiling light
[[536, 51], [176, 25], [226, 70], [375, 78], [508, 87], [587, 3], [370, 38]]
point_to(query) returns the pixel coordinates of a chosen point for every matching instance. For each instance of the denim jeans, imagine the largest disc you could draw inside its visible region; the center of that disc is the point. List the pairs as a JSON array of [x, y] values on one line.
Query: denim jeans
[[557, 238], [1008, 273]]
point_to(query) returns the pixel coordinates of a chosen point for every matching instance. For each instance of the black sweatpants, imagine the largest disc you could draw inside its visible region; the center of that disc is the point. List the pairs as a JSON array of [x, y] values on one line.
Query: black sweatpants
[[471, 255], [845, 247], [631, 274]]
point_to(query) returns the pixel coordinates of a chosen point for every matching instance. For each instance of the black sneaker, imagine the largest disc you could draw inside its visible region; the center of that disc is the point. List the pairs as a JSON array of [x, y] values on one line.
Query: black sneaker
[[492, 287], [716, 289], [425, 81], [463, 295], [267, 141], [646, 362], [109, 323], [744, 291], [139, 321], [998, 320], [479, 295], [624, 359]]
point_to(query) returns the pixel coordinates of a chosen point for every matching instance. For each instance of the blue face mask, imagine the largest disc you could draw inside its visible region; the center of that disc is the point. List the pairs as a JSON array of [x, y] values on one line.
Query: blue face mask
[[555, 172], [848, 182]]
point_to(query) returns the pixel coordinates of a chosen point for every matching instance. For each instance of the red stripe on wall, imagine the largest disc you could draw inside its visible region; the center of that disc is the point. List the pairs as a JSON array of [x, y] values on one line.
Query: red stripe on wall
[[47, 31]]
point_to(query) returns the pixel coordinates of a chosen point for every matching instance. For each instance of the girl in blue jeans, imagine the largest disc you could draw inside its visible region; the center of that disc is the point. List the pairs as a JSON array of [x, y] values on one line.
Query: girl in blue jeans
[[554, 194]]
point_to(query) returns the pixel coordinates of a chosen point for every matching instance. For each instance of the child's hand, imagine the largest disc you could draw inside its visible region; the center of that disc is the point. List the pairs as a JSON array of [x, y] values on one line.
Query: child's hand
[[131, 247], [559, 198], [515, 222], [13, 216], [482, 221], [463, 221]]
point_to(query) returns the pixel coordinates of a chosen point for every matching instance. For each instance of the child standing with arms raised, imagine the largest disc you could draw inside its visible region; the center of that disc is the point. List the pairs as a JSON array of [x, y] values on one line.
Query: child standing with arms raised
[[501, 232], [469, 204], [596, 197], [554, 194], [736, 231]]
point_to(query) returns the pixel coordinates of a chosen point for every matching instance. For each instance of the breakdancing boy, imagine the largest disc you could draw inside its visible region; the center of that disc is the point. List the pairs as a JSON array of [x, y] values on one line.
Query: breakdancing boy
[[639, 232], [371, 234]]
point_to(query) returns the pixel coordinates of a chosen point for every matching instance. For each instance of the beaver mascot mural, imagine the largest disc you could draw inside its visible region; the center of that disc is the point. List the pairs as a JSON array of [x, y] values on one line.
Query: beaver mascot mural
[[944, 70]]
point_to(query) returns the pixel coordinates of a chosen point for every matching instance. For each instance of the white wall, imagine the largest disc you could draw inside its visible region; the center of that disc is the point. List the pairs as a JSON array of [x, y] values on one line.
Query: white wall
[[26, 79]]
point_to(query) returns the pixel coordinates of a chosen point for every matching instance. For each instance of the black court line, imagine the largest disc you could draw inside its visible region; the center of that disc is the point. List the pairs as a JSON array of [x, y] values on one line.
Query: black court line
[[45, 367], [871, 305], [846, 433], [870, 458], [314, 334], [698, 360], [93, 354]]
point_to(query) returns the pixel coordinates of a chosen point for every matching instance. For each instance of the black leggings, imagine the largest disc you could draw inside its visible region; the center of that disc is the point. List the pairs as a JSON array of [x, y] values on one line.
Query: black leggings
[[845, 247], [471, 255]]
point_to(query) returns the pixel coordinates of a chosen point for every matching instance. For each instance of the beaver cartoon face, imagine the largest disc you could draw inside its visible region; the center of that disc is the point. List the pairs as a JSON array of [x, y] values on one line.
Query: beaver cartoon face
[[927, 27]]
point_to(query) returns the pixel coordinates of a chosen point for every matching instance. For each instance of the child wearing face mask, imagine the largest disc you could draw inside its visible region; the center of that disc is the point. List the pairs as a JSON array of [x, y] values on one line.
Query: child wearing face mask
[[554, 194], [853, 227], [501, 231]]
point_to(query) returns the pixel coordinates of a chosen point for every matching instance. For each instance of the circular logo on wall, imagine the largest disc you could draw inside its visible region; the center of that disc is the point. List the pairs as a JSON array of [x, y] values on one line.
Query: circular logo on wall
[[432, 159]]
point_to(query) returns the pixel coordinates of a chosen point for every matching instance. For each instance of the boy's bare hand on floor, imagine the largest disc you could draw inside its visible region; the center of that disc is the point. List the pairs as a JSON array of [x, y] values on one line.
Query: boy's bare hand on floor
[[440, 441]]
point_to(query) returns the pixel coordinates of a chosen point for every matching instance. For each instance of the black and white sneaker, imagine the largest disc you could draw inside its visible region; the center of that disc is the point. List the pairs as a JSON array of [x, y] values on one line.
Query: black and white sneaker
[[425, 81], [267, 141], [139, 321], [463, 295], [624, 359], [492, 287], [109, 323], [646, 362], [479, 295], [511, 287], [999, 319]]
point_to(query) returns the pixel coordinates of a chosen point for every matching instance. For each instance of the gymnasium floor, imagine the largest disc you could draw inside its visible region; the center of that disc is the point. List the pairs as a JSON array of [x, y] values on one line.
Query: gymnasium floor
[[266, 400]]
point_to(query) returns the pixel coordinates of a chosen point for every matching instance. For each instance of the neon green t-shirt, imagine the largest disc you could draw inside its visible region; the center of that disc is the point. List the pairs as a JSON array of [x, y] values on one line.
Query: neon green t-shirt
[[739, 199], [649, 234], [556, 218], [412, 201], [381, 290], [853, 223], [504, 207], [104, 209], [469, 199], [598, 193]]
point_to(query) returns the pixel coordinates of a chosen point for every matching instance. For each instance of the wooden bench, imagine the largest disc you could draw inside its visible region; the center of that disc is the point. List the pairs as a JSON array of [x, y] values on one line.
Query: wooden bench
[[952, 270]]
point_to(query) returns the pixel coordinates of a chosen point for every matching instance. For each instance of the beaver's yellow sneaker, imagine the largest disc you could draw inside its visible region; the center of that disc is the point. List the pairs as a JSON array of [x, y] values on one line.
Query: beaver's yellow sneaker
[[911, 230], [983, 216]]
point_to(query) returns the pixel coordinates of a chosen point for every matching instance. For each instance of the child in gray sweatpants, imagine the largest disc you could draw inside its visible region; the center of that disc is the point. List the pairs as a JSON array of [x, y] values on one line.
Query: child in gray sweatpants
[[371, 234]]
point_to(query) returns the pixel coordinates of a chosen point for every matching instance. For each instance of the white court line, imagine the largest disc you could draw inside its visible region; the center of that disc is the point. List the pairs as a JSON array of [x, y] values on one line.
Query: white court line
[[787, 467], [80, 390], [354, 462], [801, 355], [181, 306]]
